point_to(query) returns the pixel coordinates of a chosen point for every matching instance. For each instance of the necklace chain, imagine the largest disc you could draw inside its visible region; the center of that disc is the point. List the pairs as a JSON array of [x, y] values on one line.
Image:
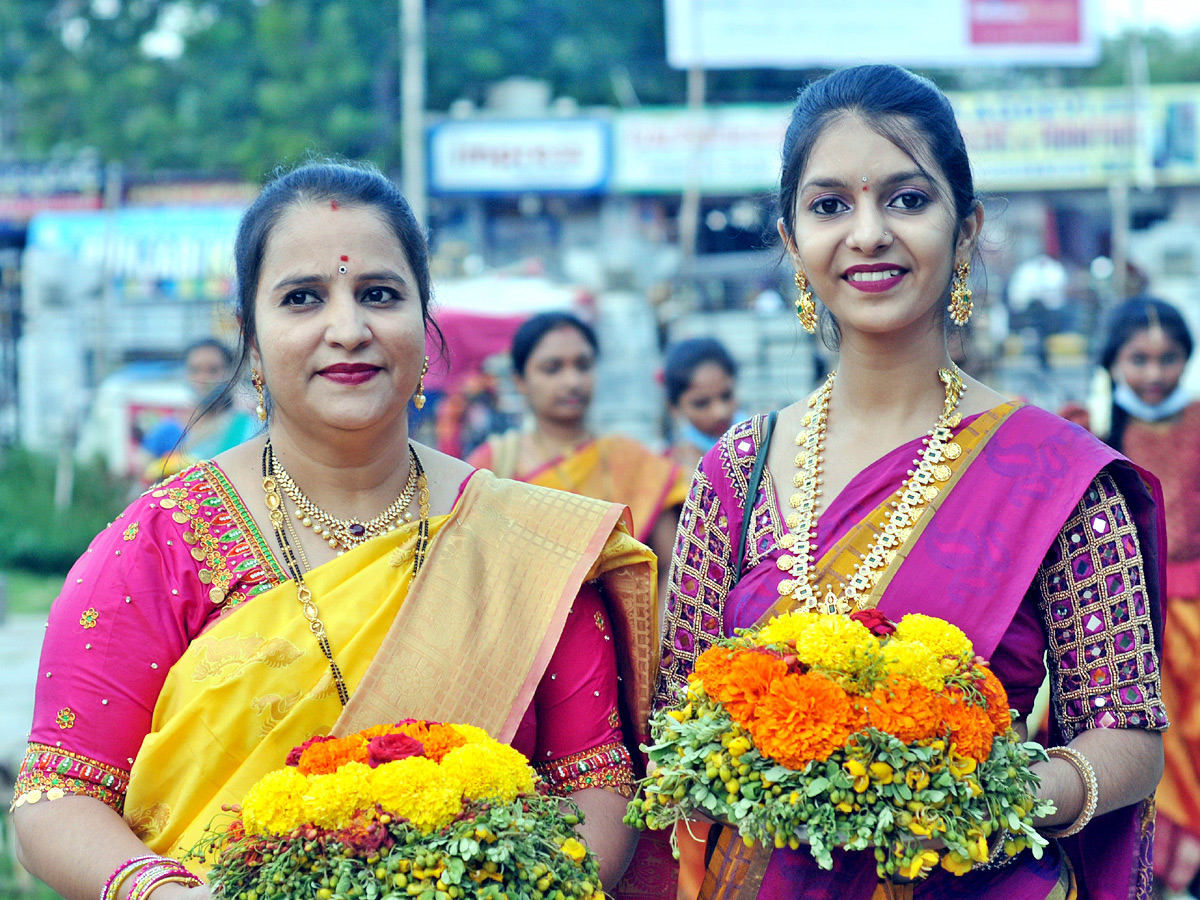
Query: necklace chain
[[345, 534], [918, 489], [297, 566]]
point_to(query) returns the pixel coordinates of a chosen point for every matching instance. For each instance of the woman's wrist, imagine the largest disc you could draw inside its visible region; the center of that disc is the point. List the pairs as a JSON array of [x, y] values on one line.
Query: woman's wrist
[[1082, 775]]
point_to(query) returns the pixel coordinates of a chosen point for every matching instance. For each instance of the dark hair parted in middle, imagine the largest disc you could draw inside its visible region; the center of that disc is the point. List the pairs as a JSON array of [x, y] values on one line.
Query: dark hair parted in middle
[[684, 358], [357, 184], [532, 330], [908, 110]]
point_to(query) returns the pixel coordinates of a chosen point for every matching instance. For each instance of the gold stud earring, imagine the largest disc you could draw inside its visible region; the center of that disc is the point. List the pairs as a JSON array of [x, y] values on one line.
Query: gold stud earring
[[257, 380], [960, 294], [419, 396], [806, 307]]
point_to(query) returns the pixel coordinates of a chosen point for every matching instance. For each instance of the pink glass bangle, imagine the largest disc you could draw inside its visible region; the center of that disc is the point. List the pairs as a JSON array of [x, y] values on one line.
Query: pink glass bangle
[[112, 887]]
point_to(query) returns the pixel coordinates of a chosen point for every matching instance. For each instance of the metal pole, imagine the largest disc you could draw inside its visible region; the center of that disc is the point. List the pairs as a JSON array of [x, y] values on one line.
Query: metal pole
[[412, 106], [689, 205]]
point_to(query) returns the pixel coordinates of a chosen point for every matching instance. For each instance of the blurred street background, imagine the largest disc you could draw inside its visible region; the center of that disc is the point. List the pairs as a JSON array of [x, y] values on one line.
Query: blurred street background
[[616, 159]]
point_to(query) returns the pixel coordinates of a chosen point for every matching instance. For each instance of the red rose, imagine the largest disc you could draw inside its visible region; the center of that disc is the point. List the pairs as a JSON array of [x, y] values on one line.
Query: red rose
[[391, 747], [294, 757], [874, 621]]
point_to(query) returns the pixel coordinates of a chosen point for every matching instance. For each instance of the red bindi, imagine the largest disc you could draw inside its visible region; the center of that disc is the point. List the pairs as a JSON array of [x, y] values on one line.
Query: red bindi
[[865, 188], [345, 259], [333, 204]]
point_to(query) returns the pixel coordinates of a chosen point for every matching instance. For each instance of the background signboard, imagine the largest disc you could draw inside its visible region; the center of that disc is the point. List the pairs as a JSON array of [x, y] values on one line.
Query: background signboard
[[507, 157], [729, 149], [732, 34]]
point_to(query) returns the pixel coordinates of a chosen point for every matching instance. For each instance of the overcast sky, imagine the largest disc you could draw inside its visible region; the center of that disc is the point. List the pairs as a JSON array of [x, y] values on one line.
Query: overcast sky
[[1177, 15]]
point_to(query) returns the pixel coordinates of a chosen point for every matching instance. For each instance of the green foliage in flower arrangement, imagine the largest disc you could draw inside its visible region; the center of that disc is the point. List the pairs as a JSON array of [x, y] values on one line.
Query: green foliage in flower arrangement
[[522, 850]]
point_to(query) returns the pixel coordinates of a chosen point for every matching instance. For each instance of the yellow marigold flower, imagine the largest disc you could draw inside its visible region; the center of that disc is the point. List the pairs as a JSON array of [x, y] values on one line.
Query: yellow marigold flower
[[942, 638], [472, 734], [574, 849], [493, 770], [916, 661], [831, 642], [788, 627], [419, 790], [273, 805], [331, 800]]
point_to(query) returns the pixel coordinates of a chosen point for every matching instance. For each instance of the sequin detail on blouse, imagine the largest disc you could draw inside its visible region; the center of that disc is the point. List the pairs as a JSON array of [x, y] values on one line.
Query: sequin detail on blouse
[[1093, 601]]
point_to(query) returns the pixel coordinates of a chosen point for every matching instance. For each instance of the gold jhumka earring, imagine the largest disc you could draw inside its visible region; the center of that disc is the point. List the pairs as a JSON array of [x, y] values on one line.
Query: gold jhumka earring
[[806, 307], [257, 380], [960, 294], [419, 397]]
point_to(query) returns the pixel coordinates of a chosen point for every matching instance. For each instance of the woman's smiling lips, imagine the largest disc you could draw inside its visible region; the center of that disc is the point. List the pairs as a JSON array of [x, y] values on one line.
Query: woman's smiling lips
[[874, 278], [349, 373]]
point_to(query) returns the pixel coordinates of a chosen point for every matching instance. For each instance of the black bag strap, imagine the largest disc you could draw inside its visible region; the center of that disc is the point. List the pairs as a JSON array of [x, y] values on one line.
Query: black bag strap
[[760, 463]]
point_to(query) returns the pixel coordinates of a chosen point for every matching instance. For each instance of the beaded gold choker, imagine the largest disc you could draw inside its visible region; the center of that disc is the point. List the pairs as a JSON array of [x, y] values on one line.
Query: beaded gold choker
[[345, 534], [918, 489]]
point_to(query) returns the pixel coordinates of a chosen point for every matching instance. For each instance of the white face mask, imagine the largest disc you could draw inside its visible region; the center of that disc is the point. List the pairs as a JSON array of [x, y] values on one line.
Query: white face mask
[[1174, 404]]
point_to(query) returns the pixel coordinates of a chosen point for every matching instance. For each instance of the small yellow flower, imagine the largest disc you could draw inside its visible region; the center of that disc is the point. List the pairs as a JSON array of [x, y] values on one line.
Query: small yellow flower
[[921, 863], [574, 849], [882, 772], [916, 779], [956, 864]]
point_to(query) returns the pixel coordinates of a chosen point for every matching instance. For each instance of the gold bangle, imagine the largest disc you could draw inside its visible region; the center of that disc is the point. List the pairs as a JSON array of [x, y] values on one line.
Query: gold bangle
[[1091, 790]]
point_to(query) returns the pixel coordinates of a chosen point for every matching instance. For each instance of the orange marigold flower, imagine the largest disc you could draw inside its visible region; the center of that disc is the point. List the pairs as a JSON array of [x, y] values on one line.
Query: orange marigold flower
[[970, 727], [325, 757], [803, 718], [712, 668], [441, 739], [751, 674], [997, 700], [906, 709]]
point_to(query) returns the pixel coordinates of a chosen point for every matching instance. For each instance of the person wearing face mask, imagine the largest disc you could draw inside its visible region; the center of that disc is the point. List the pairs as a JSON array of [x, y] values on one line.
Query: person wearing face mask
[[1156, 423], [700, 378], [215, 424]]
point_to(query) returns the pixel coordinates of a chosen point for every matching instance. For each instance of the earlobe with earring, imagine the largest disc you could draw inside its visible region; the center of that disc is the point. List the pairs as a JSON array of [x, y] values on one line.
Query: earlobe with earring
[[419, 397], [960, 294], [806, 307], [256, 379]]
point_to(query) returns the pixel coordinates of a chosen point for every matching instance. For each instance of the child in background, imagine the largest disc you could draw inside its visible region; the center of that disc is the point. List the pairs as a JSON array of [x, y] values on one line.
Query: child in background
[[699, 377]]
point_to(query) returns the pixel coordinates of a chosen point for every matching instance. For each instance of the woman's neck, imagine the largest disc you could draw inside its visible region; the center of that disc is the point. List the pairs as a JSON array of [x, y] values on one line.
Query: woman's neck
[[891, 380], [559, 437], [347, 475]]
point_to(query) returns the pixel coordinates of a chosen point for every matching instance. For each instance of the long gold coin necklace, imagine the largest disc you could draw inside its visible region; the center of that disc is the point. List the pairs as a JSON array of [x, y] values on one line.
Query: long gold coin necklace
[[282, 524], [917, 490]]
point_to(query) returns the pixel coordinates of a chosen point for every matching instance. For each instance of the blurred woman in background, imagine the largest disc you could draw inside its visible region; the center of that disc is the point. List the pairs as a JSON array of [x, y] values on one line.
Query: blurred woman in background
[[1157, 425], [554, 367], [700, 378]]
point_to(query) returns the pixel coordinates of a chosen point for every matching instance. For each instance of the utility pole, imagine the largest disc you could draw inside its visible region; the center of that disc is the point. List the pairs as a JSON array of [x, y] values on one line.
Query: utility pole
[[412, 106]]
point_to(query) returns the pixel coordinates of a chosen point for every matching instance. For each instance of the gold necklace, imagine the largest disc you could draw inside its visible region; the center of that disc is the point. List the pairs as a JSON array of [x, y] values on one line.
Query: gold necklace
[[915, 492], [281, 524], [345, 534]]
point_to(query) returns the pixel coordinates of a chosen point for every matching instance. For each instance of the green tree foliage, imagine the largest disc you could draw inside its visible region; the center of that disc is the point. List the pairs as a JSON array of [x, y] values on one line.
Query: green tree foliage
[[264, 81]]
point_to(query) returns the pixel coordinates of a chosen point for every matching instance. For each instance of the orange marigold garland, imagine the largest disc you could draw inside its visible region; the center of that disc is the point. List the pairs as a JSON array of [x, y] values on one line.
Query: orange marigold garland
[[849, 732]]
